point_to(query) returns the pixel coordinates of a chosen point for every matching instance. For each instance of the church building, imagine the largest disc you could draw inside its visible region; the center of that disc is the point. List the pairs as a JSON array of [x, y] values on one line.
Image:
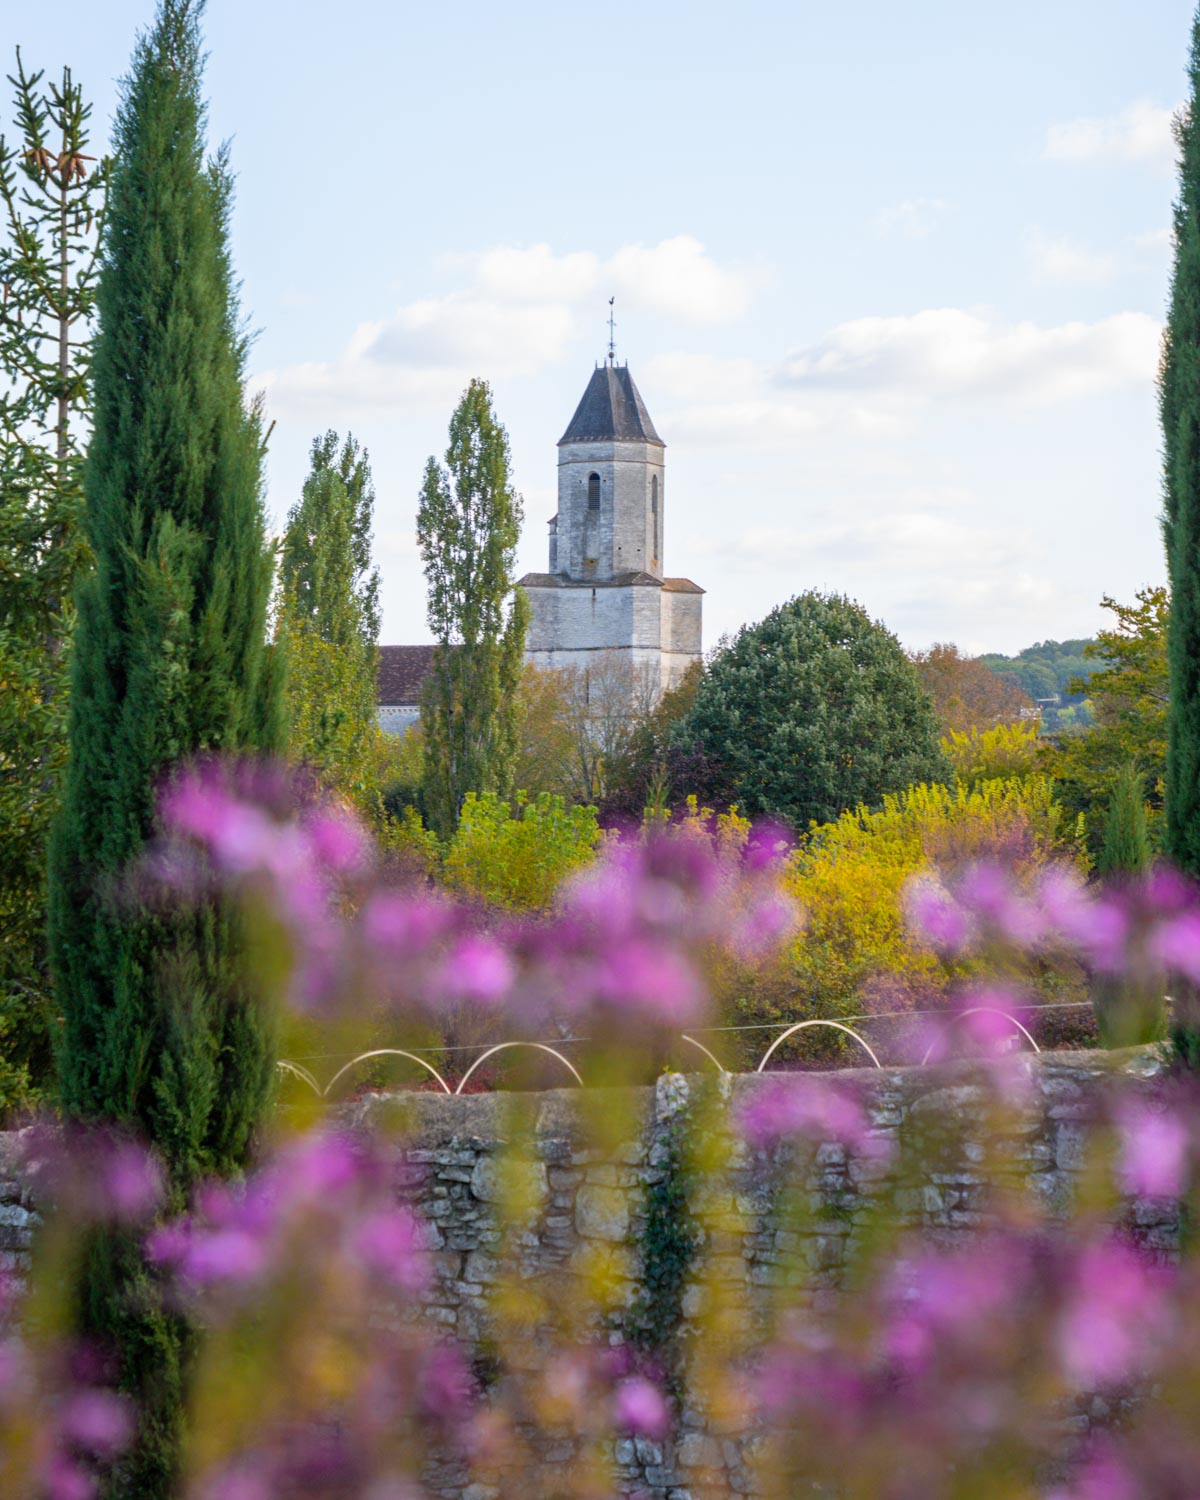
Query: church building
[[606, 589]]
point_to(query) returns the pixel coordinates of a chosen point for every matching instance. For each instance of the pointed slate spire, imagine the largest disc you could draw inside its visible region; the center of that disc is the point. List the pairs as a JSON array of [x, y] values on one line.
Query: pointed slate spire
[[612, 410]]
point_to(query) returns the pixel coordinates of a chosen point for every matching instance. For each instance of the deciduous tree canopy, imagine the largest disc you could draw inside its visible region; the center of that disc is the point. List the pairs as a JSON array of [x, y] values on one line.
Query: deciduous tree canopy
[[967, 694]]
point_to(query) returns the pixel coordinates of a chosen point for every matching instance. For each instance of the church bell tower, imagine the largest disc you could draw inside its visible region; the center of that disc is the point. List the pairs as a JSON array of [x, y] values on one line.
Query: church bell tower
[[606, 589]]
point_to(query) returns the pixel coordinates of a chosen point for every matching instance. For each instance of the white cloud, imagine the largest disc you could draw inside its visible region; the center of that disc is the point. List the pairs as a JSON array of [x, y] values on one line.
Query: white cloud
[[1141, 132], [424, 355], [469, 329], [531, 273], [709, 401], [517, 315], [1154, 241], [680, 280], [911, 219], [949, 351], [1060, 260]]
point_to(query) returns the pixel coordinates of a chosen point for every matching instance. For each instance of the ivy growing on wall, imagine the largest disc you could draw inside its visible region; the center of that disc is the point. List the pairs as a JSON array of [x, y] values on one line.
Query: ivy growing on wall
[[670, 1242]]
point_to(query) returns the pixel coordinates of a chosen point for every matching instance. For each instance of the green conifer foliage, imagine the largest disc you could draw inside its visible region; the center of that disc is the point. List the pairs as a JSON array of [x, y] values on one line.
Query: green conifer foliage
[[1180, 410], [52, 196], [1179, 404], [170, 660], [468, 526], [1126, 849]]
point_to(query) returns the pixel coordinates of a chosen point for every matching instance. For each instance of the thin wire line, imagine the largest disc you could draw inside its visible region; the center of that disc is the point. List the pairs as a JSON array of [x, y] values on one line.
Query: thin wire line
[[566, 1041]]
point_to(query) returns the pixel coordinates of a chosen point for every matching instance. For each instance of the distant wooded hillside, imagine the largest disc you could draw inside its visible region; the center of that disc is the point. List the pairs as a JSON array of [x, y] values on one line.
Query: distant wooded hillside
[[1045, 671]]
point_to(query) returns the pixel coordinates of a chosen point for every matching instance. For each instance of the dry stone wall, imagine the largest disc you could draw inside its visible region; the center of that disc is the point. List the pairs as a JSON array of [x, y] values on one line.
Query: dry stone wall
[[583, 1200], [460, 1159]]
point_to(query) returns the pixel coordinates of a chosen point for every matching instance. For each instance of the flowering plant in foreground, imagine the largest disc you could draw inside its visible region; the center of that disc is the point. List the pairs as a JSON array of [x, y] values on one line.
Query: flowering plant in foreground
[[940, 1370]]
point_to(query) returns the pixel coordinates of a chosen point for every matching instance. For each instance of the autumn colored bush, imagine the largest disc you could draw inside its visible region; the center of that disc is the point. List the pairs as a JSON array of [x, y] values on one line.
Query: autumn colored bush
[[1003, 752], [517, 857], [857, 951]]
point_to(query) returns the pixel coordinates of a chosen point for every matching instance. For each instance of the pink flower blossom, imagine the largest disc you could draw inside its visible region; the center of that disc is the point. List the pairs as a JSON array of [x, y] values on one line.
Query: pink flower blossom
[[640, 1407], [225, 1255], [650, 981], [339, 842], [477, 968], [63, 1479], [936, 915], [1153, 1161], [1114, 1313], [131, 1182], [809, 1107], [388, 1241], [1176, 945], [98, 1421]]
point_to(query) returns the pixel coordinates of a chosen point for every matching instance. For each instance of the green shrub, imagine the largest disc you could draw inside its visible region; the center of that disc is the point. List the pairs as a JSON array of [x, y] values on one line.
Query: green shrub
[[518, 857]]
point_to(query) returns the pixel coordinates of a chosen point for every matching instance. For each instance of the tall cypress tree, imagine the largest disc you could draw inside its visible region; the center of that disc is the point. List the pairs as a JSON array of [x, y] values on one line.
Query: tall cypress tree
[[468, 526], [1180, 410], [170, 660]]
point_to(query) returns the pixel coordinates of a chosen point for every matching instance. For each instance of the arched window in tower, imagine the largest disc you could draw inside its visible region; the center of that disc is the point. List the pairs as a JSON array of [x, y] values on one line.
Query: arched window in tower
[[593, 492], [654, 511]]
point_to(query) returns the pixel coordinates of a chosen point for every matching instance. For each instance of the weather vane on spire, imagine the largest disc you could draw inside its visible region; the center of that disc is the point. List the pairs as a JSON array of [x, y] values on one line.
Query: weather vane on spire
[[612, 332]]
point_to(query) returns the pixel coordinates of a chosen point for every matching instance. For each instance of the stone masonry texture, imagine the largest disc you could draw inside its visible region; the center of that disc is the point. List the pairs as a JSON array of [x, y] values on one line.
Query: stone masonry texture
[[459, 1159]]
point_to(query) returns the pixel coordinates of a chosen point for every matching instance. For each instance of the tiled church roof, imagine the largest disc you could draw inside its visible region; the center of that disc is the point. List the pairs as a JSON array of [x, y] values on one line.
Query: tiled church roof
[[400, 673], [612, 410]]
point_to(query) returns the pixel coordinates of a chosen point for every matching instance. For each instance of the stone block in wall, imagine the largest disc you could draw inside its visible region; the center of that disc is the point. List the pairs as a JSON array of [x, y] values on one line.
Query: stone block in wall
[[602, 1213]]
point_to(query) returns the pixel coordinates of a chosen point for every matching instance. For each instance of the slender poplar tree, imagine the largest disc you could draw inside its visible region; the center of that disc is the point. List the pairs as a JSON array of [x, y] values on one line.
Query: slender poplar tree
[[468, 526], [1179, 400], [170, 659], [328, 615]]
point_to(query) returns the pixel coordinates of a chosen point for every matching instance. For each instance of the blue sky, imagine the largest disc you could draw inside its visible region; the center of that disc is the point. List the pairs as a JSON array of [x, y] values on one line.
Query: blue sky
[[890, 279]]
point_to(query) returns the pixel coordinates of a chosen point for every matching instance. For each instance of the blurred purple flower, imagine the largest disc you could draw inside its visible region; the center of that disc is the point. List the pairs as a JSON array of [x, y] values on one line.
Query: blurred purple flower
[[168, 1245], [339, 841], [316, 1166], [1111, 1317], [1176, 945], [810, 1107], [640, 1407], [131, 1184], [936, 1297], [935, 914], [768, 846], [649, 981], [1103, 1477], [224, 1255], [388, 1241], [446, 1384], [99, 1422], [477, 968], [64, 1479], [769, 922], [405, 925], [1153, 1160]]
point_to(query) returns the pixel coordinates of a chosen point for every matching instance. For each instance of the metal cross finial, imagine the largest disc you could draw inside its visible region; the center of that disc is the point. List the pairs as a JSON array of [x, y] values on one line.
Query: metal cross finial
[[612, 332]]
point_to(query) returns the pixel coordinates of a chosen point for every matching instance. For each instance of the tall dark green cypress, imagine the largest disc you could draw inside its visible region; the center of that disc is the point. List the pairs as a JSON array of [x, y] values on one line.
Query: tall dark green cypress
[[1180, 410], [1179, 403], [171, 660]]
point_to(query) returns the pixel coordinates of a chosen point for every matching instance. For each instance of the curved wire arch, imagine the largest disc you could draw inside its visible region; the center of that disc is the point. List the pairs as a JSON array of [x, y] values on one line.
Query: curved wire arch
[[388, 1052], [983, 1010], [302, 1073], [803, 1026], [503, 1046], [716, 1061]]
